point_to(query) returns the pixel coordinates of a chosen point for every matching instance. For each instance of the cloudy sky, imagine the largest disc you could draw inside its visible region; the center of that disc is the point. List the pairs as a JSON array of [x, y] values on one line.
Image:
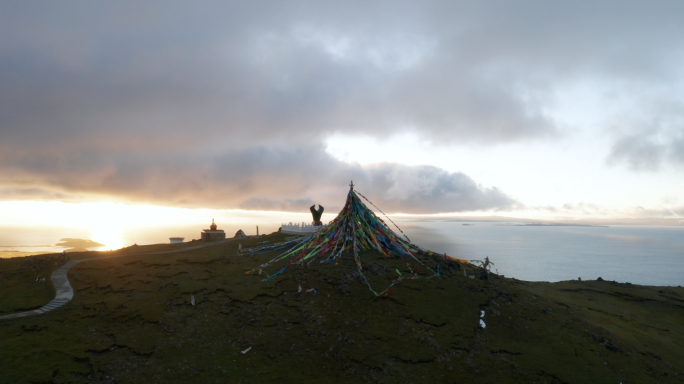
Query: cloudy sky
[[470, 107]]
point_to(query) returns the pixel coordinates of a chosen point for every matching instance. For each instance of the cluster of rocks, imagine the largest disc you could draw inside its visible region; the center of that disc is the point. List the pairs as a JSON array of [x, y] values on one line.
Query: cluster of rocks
[[607, 344], [609, 281], [36, 265], [377, 269], [342, 283]]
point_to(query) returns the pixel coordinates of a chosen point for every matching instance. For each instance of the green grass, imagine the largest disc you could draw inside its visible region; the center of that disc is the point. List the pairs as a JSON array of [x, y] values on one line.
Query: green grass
[[19, 290], [131, 321]]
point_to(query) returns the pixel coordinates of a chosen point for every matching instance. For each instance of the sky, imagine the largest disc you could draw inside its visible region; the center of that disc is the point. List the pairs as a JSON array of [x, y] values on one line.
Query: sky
[[521, 109]]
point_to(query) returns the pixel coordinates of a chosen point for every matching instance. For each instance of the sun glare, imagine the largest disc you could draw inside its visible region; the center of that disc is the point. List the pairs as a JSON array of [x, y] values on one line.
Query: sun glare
[[109, 235], [120, 225]]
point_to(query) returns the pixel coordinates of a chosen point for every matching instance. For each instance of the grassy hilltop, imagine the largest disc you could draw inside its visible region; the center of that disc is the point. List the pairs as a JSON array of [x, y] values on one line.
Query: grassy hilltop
[[131, 321]]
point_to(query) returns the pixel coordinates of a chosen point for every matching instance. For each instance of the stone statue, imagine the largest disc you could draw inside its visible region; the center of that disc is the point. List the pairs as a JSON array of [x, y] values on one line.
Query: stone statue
[[316, 214]]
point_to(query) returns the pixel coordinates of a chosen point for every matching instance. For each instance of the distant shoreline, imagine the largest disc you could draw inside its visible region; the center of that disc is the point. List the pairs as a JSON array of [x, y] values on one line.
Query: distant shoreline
[[552, 225], [549, 222]]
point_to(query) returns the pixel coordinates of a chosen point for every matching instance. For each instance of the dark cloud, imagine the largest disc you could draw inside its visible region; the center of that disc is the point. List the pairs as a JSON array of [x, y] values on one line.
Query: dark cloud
[[258, 178], [40, 194], [229, 104], [648, 152], [429, 189], [653, 139], [453, 70], [639, 152]]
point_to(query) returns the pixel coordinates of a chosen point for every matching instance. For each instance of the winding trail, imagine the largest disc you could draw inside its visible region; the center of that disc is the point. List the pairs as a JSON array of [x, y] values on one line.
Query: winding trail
[[65, 292]]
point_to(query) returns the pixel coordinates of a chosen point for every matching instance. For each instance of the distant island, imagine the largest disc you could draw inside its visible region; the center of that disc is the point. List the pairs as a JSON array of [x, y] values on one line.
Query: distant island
[[78, 245], [551, 225]]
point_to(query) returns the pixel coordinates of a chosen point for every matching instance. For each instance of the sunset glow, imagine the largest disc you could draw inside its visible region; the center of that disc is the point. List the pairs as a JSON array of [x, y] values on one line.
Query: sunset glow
[[253, 119]]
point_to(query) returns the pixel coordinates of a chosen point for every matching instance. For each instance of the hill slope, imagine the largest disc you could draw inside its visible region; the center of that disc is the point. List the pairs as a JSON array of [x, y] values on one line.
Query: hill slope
[[131, 321]]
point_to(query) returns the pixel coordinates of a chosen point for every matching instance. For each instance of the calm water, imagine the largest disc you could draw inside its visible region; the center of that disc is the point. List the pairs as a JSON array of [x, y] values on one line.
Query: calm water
[[639, 255]]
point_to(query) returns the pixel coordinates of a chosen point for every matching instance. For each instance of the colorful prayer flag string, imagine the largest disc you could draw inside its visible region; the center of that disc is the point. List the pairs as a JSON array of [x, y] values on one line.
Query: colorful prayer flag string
[[356, 228]]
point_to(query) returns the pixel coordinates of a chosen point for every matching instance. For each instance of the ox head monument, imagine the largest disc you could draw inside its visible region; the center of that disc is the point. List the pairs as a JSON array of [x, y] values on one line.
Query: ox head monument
[[316, 214]]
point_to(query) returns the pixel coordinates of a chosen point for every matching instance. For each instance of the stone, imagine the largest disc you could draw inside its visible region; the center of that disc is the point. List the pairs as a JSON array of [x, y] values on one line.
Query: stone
[[213, 235]]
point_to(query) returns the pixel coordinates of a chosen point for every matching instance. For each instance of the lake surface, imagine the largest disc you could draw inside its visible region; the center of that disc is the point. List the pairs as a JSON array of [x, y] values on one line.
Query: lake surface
[[639, 255]]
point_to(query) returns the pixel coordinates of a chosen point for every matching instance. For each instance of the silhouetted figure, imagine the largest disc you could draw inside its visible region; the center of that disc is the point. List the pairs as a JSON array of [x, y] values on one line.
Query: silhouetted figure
[[63, 258], [484, 274], [316, 214]]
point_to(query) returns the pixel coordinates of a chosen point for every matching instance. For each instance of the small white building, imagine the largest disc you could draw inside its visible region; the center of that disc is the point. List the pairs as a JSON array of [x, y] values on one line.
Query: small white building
[[303, 229], [176, 240]]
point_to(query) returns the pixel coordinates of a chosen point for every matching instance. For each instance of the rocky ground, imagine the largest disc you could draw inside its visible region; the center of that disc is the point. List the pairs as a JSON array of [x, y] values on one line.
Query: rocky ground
[[132, 321]]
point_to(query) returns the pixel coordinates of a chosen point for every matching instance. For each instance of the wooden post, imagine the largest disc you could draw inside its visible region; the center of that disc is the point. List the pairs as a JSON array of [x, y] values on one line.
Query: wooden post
[[257, 230]]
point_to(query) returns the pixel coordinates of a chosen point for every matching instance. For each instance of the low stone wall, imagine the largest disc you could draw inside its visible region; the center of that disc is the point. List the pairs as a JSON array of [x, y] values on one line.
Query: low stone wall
[[297, 229], [213, 235]]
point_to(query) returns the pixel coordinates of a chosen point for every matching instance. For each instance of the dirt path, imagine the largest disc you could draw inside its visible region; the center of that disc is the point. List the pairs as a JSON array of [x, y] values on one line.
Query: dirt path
[[64, 291]]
